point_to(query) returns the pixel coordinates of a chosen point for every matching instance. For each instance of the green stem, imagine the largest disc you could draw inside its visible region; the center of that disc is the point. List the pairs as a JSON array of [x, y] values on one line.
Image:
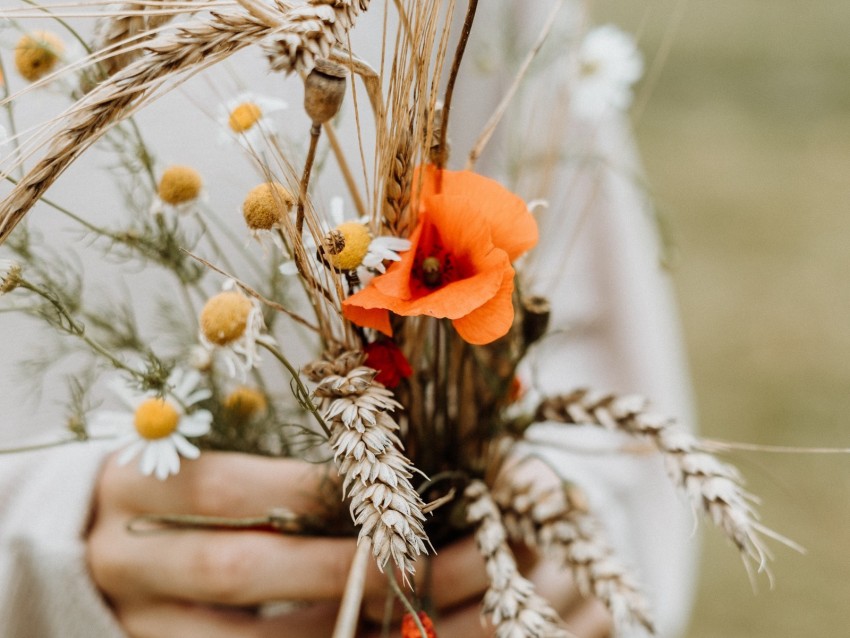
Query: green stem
[[405, 602], [43, 446], [77, 329], [302, 389]]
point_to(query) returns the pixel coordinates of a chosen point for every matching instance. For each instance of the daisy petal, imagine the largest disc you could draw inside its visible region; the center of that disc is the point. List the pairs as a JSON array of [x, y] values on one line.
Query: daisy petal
[[184, 448], [150, 458], [195, 424], [129, 452]]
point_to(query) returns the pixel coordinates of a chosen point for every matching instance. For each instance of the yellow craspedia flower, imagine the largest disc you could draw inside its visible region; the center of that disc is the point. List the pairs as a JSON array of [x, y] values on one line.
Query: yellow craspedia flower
[[266, 205], [37, 53], [244, 116], [156, 419], [245, 403], [356, 238], [179, 184], [225, 317]]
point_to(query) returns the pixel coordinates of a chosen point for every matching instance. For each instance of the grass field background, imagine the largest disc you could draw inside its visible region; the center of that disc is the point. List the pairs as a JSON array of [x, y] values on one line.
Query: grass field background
[[746, 142]]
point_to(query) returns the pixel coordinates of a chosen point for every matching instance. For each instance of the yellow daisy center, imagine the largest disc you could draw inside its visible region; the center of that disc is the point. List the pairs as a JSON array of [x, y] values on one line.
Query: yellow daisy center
[[156, 419], [179, 184], [244, 403], [37, 53], [244, 116], [356, 239], [266, 205], [225, 317]]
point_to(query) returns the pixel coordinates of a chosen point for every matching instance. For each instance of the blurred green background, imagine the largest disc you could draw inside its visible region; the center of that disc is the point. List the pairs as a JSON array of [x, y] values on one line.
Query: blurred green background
[[746, 142]]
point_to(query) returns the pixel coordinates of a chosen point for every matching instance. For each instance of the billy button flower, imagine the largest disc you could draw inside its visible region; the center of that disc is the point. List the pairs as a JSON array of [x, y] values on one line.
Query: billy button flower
[[37, 54], [233, 324], [459, 265], [178, 189], [265, 207]]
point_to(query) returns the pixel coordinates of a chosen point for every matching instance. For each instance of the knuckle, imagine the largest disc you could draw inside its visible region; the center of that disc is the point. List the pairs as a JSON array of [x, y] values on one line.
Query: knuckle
[[106, 562], [223, 569], [215, 493]]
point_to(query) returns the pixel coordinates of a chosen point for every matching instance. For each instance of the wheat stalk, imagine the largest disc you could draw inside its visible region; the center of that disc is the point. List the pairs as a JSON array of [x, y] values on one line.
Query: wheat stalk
[[713, 487], [513, 606], [133, 20], [555, 520], [306, 29], [368, 453]]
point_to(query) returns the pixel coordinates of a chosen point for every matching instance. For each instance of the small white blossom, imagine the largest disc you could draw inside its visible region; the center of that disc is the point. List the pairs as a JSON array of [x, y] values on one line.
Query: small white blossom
[[246, 119], [607, 65]]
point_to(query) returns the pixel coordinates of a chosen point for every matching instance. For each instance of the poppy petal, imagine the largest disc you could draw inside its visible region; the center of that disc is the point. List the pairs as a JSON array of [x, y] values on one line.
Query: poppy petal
[[492, 320], [512, 226], [368, 309]]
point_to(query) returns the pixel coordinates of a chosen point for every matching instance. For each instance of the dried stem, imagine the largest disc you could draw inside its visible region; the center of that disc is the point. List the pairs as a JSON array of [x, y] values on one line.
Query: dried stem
[[447, 101]]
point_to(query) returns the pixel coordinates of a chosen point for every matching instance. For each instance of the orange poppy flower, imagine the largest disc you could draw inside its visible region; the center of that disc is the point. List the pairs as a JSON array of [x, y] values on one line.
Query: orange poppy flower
[[459, 263]]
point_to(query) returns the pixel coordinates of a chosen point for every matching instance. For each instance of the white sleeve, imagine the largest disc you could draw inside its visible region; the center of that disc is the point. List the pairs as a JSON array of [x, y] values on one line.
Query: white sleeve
[[45, 587]]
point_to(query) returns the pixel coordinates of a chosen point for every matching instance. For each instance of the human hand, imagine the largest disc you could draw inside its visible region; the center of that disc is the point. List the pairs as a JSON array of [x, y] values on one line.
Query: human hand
[[210, 583]]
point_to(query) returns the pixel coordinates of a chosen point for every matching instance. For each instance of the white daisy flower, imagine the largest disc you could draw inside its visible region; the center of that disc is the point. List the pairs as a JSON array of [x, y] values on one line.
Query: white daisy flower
[[359, 250], [156, 427], [232, 325], [246, 120], [608, 64]]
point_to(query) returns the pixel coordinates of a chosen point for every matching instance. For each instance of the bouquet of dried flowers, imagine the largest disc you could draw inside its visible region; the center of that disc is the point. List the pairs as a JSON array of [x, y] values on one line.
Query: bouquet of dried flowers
[[414, 310]]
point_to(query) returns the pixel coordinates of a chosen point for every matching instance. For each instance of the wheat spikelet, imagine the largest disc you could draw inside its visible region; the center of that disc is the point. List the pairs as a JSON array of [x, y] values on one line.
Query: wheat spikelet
[[189, 49], [713, 487], [367, 450], [557, 522], [311, 31], [514, 608], [399, 180]]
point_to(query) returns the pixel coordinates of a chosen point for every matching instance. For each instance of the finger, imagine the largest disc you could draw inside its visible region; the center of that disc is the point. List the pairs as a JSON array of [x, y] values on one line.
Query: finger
[[222, 567], [590, 619], [191, 621], [222, 484], [458, 574]]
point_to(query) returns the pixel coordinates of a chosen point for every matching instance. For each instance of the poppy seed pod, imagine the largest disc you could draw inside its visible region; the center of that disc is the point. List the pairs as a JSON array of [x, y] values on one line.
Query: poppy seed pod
[[536, 313], [324, 89]]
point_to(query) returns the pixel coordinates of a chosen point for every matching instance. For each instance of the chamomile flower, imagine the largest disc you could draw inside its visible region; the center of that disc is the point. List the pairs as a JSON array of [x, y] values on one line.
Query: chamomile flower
[[232, 323], [608, 64], [246, 118], [155, 428], [349, 245], [178, 190]]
